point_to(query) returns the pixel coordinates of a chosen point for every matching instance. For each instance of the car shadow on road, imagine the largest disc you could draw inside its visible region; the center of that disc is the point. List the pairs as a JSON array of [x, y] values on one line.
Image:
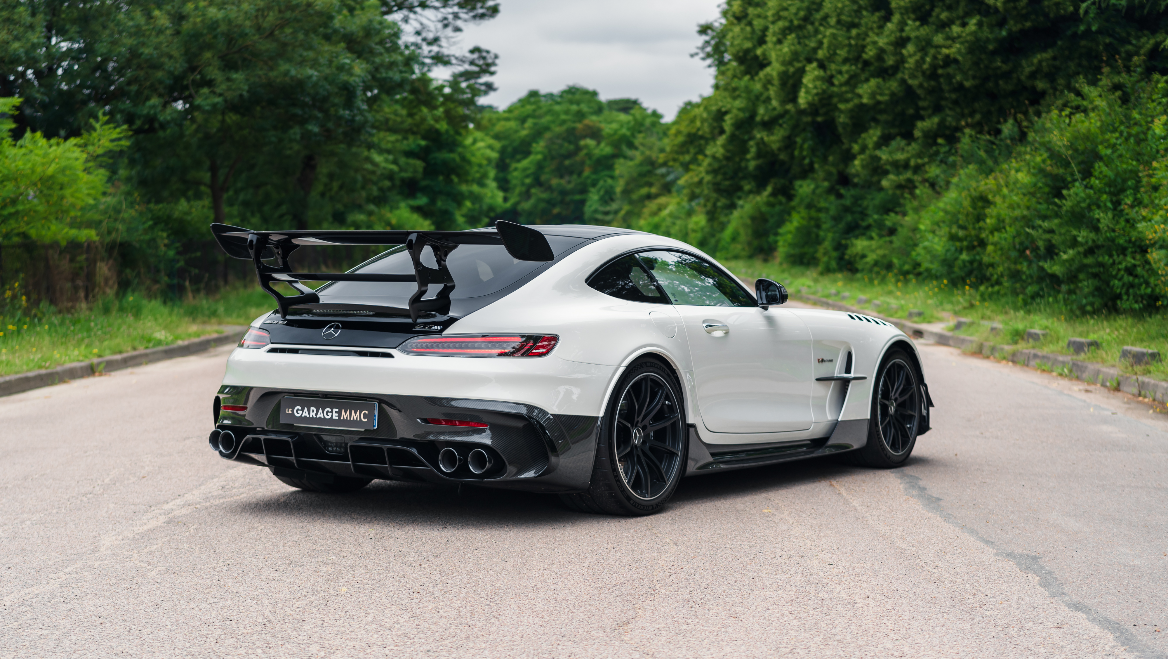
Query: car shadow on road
[[420, 504]]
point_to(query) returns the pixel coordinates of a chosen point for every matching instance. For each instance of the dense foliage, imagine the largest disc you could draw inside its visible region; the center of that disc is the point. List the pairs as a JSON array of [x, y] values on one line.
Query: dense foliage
[[48, 186], [1074, 210], [1012, 146], [563, 158], [303, 113], [1018, 147]]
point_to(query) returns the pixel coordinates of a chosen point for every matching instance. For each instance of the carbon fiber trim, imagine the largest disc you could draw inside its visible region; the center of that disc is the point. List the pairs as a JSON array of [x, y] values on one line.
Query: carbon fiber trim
[[542, 452]]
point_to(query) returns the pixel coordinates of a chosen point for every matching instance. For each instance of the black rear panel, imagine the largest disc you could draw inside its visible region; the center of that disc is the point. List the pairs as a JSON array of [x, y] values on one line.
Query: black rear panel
[[355, 331]]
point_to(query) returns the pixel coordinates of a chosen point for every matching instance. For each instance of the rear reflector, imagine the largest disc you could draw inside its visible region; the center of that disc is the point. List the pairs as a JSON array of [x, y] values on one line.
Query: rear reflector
[[454, 422], [489, 345], [234, 408], [254, 339]]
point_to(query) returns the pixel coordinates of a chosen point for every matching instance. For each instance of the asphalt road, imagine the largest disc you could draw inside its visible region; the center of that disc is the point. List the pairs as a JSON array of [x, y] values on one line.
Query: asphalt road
[[1031, 522]]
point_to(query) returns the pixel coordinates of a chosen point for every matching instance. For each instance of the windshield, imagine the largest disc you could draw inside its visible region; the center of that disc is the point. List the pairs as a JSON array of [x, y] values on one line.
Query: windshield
[[478, 270]]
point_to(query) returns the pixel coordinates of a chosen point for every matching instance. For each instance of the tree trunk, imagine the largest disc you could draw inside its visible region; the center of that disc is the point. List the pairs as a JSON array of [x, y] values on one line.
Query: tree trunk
[[219, 187], [304, 185], [216, 192]]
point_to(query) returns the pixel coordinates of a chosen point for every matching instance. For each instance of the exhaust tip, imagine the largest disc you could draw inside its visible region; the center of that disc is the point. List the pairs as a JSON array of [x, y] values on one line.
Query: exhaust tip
[[448, 460], [213, 439], [478, 461], [227, 442]]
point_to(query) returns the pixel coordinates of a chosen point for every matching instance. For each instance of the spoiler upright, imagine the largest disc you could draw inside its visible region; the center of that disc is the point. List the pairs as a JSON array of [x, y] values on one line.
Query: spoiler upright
[[523, 243]]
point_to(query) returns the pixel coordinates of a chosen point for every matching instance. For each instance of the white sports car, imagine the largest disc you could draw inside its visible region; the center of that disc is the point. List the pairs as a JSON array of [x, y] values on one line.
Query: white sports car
[[598, 363]]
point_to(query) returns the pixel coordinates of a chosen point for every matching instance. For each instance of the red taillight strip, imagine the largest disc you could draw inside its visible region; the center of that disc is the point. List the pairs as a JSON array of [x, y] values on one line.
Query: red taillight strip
[[234, 408], [523, 345], [496, 351], [254, 338], [542, 347], [474, 339], [454, 422]]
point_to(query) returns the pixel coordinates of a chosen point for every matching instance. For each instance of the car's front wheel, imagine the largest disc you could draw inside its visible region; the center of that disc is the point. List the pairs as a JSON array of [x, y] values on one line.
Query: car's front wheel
[[896, 413], [642, 447]]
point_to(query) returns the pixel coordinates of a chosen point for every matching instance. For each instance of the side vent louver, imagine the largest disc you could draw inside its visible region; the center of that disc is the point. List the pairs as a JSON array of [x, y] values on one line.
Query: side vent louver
[[867, 319]]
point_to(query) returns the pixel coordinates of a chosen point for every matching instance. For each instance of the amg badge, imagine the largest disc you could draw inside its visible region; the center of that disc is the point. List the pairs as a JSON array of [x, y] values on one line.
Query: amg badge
[[322, 413]]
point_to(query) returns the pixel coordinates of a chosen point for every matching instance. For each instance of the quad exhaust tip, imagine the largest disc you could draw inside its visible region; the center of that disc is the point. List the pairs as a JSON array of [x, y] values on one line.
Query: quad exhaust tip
[[448, 460], [478, 461], [227, 442]]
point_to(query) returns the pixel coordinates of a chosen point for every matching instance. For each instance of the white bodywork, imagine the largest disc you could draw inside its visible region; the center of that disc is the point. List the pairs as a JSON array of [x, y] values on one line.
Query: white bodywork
[[752, 384]]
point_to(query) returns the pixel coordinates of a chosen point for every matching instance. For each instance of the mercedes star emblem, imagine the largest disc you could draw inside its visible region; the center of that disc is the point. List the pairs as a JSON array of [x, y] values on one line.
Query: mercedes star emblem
[[331, 331]]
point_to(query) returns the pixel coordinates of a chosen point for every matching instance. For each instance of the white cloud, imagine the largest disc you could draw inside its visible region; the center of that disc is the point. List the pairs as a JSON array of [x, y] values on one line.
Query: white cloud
[[622, 48]]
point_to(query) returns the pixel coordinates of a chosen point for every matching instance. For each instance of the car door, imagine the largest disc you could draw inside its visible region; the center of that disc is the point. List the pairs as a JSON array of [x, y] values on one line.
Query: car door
[[752, 368]]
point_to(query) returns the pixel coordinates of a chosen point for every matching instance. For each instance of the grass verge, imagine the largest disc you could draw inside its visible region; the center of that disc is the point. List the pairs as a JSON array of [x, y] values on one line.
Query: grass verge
[[943, 301], [33, 339]]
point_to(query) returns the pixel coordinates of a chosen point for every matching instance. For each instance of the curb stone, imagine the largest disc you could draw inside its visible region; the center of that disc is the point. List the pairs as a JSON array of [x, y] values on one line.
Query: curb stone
[[14, 384], [1093, 372]]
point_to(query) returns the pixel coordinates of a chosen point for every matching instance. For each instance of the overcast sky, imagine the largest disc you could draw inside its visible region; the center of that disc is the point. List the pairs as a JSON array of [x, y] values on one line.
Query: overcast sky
[[622, 48]]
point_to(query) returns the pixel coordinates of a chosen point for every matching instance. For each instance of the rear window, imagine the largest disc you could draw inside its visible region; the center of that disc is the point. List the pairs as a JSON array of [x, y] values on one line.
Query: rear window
[[625, 279], [478, 270]]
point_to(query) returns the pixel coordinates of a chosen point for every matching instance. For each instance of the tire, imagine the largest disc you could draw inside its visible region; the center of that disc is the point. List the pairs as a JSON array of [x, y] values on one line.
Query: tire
[[640, 456], [340, 484], [893, 430]]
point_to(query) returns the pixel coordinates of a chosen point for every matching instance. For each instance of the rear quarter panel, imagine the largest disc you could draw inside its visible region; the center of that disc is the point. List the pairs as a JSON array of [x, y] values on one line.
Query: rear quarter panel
[[595, 330]]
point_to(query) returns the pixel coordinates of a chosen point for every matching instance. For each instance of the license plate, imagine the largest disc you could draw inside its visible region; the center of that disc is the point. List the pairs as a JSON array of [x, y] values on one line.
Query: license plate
[[324, 413]]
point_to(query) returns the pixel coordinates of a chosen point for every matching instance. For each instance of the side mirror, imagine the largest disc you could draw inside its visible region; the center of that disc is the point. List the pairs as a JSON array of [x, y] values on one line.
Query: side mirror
[[769, 292]]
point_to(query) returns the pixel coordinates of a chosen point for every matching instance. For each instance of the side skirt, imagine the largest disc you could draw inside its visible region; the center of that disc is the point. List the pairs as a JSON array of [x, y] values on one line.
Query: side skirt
[[706, 458]]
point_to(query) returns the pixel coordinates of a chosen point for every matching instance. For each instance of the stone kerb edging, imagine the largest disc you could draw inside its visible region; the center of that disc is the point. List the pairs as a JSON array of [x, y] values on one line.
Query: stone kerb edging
[[14, 384], [1094, 372]]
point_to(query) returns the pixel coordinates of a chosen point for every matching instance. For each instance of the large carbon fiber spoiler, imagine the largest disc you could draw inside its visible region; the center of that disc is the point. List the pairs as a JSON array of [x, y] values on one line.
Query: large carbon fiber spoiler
[[524, 243]]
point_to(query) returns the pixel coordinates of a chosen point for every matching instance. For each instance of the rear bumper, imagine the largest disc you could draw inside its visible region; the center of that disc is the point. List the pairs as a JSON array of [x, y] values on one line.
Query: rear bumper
[[530, 448], [550, 383]]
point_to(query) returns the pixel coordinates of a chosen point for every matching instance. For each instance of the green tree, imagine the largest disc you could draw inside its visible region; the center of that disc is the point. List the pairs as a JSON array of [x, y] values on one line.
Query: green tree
[[855, 96], [1075, 212], [560, 156], [47, 185], [255, 108]]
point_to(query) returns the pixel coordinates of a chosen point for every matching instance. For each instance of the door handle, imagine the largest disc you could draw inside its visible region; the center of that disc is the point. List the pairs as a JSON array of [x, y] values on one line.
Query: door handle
[[715, 327]]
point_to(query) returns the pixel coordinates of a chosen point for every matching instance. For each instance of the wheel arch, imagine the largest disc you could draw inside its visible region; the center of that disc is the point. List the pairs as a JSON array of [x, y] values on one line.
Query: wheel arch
[[655, 354], [912, 350]]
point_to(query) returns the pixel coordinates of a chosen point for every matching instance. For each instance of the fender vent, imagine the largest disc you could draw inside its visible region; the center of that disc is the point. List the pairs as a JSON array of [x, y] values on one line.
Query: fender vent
[[867, 319]]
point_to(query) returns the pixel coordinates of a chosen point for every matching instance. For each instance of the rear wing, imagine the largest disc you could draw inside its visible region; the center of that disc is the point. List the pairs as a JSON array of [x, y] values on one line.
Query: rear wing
[[523, 243]]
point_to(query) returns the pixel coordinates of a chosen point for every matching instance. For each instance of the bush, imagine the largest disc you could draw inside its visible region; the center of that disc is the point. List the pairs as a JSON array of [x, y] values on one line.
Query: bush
[[1076, 214]]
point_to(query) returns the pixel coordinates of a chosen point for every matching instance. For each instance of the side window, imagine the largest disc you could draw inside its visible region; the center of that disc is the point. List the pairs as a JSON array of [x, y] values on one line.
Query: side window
[[691, 281], [625, 279]]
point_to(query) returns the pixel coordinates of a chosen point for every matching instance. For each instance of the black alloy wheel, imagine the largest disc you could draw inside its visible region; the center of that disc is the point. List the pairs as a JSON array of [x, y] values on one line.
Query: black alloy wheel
[[642, 448], [896, 414], [647, 436], [898, 407]]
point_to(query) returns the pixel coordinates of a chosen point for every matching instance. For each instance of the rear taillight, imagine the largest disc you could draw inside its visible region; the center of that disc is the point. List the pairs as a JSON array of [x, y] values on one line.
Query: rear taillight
[[487, 345], [254, 339], [454, 422], [234, 408]]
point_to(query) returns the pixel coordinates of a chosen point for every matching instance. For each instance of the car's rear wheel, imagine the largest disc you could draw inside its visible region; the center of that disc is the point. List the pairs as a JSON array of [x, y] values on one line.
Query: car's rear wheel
[[896, 413], [642, 448], [339, 485]]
